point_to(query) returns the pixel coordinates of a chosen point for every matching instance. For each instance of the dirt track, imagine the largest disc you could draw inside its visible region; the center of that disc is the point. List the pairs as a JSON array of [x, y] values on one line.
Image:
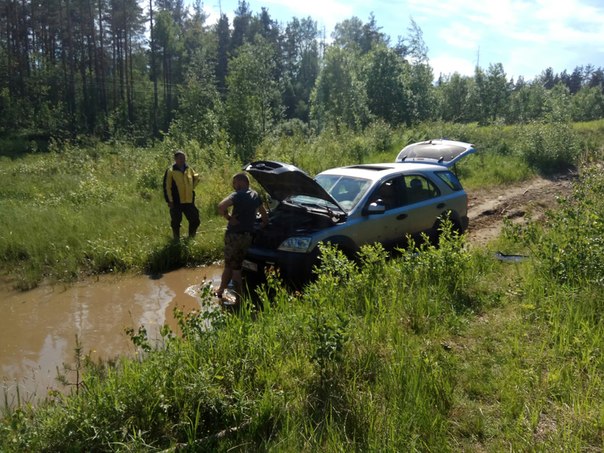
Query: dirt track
[[488, 208]]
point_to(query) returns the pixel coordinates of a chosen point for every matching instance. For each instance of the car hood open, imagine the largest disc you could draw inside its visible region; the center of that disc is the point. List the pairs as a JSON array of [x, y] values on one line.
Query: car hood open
[[443, 152], [283, 180]]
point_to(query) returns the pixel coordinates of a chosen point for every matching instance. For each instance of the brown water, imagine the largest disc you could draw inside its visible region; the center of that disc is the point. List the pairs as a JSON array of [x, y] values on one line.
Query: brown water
[[38, 328]]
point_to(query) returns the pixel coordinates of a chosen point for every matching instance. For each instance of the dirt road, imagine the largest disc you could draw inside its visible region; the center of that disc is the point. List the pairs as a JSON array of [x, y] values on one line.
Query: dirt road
[[488, 207]]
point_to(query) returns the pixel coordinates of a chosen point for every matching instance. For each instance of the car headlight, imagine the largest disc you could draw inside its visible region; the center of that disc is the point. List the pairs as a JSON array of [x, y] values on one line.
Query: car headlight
[[295, 244]]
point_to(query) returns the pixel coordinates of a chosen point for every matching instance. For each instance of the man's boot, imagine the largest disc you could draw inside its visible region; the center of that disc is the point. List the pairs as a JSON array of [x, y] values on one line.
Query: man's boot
[[176, 233]]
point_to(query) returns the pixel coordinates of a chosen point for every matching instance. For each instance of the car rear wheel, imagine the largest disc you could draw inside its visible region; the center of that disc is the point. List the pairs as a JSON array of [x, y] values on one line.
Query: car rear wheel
[[446, 220]]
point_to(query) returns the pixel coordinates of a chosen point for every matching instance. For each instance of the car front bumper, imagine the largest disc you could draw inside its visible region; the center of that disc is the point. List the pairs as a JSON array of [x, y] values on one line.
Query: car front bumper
[[293, 267]]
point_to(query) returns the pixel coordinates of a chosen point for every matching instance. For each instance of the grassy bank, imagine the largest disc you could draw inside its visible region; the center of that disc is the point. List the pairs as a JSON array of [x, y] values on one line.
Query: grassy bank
[[76, 211], [73, 210], [444, 350]]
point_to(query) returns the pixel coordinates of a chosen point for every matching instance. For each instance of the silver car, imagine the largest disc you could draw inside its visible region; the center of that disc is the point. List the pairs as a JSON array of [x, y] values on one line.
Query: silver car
[[355, 205]]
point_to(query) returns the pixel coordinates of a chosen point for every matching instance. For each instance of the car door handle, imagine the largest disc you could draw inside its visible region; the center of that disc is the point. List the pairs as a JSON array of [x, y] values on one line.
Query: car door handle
[[440, 205], [401, 216]]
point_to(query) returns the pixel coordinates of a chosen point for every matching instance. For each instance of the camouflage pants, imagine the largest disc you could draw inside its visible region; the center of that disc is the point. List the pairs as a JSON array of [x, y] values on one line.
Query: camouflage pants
[[235, 247]]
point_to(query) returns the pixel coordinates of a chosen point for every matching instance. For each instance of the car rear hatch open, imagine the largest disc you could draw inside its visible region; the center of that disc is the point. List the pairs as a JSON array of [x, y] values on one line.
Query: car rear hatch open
[[441, 151]]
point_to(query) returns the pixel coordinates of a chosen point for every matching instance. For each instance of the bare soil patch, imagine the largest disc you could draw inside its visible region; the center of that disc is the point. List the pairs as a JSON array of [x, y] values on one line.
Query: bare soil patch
[[487, 208]]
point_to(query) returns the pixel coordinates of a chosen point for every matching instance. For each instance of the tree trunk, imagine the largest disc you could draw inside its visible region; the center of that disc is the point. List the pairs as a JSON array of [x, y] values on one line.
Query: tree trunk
[[153, 70]]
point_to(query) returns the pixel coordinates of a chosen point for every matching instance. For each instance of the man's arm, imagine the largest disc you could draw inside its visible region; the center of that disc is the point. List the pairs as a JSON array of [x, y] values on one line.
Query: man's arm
[[223, 207], [168, 187], [196, 179]]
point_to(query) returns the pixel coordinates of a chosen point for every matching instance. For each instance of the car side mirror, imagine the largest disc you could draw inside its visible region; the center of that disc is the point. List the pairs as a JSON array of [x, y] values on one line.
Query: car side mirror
[[377, 207]]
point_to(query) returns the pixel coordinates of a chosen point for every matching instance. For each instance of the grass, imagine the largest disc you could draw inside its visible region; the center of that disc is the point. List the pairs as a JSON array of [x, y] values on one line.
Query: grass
[[390, 355], [445, 349], [73, 211]]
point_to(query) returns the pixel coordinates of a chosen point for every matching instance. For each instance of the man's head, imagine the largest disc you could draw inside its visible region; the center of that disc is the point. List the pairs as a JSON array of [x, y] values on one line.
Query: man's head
[[241, 181], [180, 158]]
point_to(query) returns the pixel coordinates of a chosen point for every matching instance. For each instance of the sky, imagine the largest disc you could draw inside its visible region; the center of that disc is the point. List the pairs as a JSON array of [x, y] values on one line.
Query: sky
[[525, 36]]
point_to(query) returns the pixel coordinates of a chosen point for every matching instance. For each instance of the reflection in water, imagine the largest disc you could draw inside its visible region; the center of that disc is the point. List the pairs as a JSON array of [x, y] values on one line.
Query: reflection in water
[[38, 328]]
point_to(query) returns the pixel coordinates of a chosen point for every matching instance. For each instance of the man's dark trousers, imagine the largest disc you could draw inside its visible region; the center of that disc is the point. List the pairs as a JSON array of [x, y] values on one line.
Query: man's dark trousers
[[191, 213]]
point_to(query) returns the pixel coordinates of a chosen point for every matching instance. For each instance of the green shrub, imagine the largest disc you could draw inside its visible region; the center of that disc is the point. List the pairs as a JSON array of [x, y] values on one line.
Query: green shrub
[[549, 148], [570, 250]]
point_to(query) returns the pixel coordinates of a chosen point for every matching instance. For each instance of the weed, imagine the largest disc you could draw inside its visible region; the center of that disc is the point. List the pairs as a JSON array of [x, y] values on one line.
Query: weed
[[549, 148], [77, 368]]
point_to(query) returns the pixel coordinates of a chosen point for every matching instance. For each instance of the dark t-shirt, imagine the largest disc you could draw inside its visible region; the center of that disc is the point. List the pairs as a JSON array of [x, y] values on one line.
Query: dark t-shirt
[[245, 204]]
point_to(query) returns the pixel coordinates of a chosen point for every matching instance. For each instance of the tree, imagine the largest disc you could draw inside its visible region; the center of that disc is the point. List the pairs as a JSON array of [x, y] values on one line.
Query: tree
[[200, 112], [126, 26], [588, 104], [241, 27], [423, 101], [491, 93], [254, 98], [558, 104], [170, 48], [352, 34], [175, 8], [575, 81], [414, 46], [596, 79], [73, 67], [153, 69], [301, 67], [387, 95], [223, 33], [339, 97], [266, 27], [527, 103], [454, 98], [548, 79]]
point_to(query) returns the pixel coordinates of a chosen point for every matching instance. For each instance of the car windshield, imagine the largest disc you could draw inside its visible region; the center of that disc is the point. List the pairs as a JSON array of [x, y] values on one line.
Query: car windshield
[[312, 202], [346, 190]]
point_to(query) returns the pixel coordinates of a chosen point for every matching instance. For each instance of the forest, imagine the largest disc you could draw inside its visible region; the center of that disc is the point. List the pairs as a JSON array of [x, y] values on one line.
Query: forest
[[132, 72]]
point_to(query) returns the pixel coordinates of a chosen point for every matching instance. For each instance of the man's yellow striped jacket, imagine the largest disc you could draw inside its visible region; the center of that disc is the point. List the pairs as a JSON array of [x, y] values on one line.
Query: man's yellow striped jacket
[[179, 185]]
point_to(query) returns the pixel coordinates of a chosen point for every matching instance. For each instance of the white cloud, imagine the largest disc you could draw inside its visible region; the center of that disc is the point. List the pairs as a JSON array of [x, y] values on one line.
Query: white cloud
[[327, 13], [460, 36], [526, 36], [212, 13], [446, 65]]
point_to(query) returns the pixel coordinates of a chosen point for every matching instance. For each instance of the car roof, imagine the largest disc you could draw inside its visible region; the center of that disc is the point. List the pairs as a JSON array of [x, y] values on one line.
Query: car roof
[[375, 172]]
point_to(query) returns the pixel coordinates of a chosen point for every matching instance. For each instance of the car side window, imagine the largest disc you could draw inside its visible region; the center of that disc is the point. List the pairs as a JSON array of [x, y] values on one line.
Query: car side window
[[450, 179], [391, 193], [419, 188]]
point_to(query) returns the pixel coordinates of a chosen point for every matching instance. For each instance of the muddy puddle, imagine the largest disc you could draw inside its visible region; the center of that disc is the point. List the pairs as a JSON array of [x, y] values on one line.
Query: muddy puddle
[[38, 328]]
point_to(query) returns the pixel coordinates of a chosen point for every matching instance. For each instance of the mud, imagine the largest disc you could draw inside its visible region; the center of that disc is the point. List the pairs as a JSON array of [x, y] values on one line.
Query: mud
[[519, 203], [38, 328]]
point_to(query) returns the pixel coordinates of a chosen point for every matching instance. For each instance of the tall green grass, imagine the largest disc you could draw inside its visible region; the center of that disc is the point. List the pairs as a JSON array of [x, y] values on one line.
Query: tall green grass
[[314, 371], [77, 210], [537, 383], [437, 349]]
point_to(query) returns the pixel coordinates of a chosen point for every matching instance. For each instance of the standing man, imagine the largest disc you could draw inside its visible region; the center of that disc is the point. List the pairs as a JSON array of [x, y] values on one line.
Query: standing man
[[245, 204], [179, 191]]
